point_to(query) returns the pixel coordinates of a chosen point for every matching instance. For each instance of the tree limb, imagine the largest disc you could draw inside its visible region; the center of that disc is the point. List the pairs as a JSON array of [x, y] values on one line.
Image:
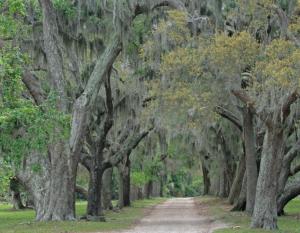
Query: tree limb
[[229, 116], [295, 170], [292, 153]]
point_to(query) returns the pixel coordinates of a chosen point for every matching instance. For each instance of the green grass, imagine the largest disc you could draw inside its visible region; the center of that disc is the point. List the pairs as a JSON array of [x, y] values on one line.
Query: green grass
[[23, 221], [239, 222]]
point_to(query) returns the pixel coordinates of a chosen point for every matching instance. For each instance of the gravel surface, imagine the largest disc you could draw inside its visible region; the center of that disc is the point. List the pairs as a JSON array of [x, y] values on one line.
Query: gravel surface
[[177, 215]]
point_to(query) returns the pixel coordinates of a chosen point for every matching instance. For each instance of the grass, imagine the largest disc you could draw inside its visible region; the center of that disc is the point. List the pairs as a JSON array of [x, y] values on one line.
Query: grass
[[240, 222], [23, 221]]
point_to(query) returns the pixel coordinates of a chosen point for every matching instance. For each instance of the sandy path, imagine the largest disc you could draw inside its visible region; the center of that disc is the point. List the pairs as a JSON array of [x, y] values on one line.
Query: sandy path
[[177, 215]]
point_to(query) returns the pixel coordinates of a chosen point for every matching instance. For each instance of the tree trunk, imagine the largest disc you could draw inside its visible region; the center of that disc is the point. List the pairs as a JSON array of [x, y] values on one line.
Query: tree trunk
[[53, 186], [94, 208], [121, 190], [251, 166], [124, 188], [126, 184], [265, 210], [238, 181], [206, 180], [148, 189], [240, 204], [15, 194], [107, 189]]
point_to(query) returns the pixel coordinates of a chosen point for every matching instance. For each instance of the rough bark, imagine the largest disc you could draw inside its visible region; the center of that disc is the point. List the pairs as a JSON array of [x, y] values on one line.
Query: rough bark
[[265, 210], [251, 165], [52, 187], [94, 208]]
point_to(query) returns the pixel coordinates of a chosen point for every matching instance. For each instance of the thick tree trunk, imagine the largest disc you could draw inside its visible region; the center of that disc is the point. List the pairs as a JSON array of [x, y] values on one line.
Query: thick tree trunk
[[94, 207], [265, 210], [251, 165], [206, 180], [238, 180], [53, 186], [107, 189], [58, 201], [240, 204]]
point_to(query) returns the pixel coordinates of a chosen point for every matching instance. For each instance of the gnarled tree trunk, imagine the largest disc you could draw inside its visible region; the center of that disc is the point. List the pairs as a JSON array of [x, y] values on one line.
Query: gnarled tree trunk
[[265, 210]]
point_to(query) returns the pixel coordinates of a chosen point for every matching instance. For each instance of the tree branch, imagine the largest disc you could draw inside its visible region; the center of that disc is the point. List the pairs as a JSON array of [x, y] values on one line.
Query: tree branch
[[229, 116], [126, 150], [286, 107], [292, 153], [152, 4], [245, 98], [295, 170]]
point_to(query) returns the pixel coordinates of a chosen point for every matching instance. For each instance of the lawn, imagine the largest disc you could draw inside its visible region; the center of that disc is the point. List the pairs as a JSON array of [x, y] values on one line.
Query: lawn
[[23, 221], [240, 222]]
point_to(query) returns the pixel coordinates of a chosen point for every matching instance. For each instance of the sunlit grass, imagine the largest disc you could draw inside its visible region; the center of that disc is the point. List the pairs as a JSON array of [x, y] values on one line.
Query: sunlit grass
[[23, 221]]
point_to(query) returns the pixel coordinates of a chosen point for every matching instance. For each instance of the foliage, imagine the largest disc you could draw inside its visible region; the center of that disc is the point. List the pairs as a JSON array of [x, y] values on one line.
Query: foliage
[[24, 126], [139, 179]]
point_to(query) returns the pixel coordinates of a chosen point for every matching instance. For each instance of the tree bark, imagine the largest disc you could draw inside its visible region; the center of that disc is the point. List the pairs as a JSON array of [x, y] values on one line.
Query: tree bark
[[206, 180], [148, 189], [251, 165], [238, 180], [94, 208], [265, 210], [124, 184], [107, 189], [240, 204]]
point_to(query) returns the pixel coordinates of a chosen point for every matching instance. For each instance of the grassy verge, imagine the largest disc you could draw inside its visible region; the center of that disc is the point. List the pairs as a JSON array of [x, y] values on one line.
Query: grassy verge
[[240, 222], [23, 221]]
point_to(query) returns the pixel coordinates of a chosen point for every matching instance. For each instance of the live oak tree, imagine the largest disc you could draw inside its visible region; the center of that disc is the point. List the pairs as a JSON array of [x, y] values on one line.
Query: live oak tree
[[72, 96]]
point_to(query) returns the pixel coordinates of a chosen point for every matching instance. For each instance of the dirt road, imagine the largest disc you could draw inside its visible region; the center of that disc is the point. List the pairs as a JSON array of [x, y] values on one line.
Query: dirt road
[[177, 215]]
